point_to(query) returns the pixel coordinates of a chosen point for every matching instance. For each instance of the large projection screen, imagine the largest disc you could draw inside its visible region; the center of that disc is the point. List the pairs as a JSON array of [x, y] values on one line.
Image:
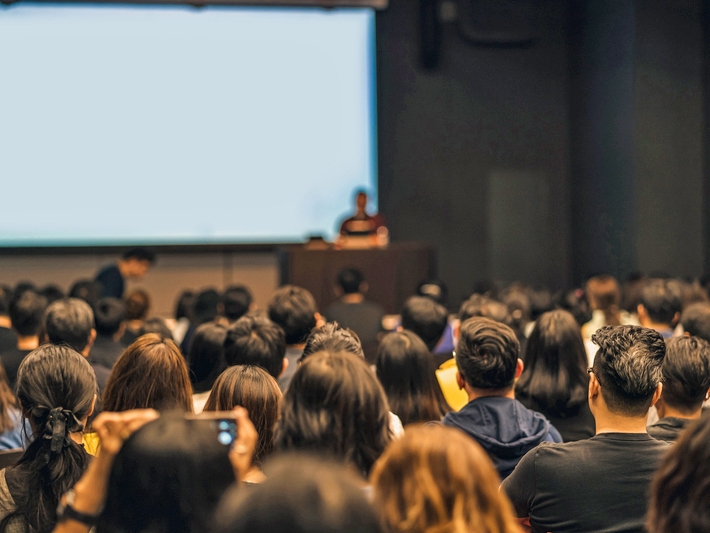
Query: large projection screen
[[175, 125]]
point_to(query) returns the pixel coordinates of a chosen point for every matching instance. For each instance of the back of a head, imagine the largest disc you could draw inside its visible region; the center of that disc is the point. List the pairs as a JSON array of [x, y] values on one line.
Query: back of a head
[[335, 405], [686, 373], [434, 289], [137, 305], [206, 306], [51, 293], [436, 478], [334, 338], [426, 318], [301, 494], [69, 321], [487, 353], [680, 499], [628, 365], [604, 294], [26, 313], [256, 340], [662, 299], [168, 476], [573, 300], [350, 280], [482, 306], [139, 254], [294, 309], [206, 357], [517, 299], [87, 290], [184, 305], [236, 302], [151, 373], [156, 324], [696, 320], [109, 314]]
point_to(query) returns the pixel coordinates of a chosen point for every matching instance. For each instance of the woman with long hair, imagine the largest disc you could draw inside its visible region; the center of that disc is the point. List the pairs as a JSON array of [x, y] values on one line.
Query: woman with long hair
[[555, 381]]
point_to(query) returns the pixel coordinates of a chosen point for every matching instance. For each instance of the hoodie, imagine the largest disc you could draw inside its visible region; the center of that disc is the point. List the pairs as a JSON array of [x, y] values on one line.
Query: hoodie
[[504, 427]]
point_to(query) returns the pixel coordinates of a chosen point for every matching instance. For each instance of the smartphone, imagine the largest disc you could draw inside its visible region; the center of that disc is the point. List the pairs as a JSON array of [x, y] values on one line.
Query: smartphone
[[223, 422]]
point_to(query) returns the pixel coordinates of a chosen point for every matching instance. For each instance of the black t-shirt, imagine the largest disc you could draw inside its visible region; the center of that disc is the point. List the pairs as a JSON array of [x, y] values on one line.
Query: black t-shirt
[[8, 339], [669, 428], [111, 281], [579, 426], [595, 485]]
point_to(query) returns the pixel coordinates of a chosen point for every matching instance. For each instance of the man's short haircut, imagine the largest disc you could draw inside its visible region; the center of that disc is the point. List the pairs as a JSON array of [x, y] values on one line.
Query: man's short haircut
[[662, 299], [487, 353], [140, 254], [69, 321], [482, 306], [696, 320], [628, 366], [332, 337], [26, 312], [350, 279], [426, 318], [236, 301], [109, 314], [256, 340], [52, 293], [686, 373], [294, 309], [87, 290], [157, 325]]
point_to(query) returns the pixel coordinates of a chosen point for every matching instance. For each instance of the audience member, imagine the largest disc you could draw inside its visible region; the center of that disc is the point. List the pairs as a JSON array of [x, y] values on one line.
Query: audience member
[[573, 301], [516, 298], [26, 312], [294, 309], [405, 368], [157, 325], [137, 309], [205, 309], [134, 264], [109, 315], [428, 320], [554, 381], [8, 336], [11, 426], [236, 302], [150, 374], [602, 483], [51, 293], [333, 338], [686, 383], [604, 297], [483, 306], [183, 315], [488, 364], [256, 340], [661, 304], [206, 361], [695, 320], [436, 479], [87, 290]]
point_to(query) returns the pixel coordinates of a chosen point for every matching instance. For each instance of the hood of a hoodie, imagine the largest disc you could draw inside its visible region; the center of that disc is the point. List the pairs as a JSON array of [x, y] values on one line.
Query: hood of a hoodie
[[504, 427]]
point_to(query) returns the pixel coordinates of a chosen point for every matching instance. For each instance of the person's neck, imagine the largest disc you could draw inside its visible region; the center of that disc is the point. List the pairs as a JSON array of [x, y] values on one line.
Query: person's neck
[[297, 346], [5, 322], [27, 342], [666, 411], [648, 323], [474, 394], [354, 298], [607, 422]]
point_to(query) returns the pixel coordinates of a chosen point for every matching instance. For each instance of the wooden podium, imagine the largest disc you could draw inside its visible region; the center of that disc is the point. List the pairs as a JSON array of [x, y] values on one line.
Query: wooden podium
[[393, 273]]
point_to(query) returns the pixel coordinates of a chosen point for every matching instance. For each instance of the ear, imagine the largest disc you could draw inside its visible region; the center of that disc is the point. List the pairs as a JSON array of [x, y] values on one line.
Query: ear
[[657, 394], [593, 387], [93, 406], [90, 342], [338, 291], [320, 321], [460, 381], [284, 367], [641, 311], [399, 328], [519, 367], [675, 320]]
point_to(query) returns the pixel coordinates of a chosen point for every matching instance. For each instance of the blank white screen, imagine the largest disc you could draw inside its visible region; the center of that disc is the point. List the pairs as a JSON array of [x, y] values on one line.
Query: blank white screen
[[150, 124]]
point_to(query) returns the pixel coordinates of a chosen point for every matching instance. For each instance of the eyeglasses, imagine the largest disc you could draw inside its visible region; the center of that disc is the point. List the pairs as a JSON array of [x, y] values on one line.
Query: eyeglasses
[[590, 370]]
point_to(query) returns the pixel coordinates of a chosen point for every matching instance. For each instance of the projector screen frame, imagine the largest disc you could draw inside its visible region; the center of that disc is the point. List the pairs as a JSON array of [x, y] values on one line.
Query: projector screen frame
[[329, 4]]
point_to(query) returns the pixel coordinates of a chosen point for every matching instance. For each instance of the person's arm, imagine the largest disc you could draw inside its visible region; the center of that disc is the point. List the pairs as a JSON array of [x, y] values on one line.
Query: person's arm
[[520, 488]]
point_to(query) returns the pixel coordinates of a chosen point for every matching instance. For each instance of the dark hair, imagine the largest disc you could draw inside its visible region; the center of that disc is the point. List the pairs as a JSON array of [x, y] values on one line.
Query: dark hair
[[236, 302], [487, 353], [69, 321], [87, 290], [56, 388], [8, 403], [680, 499], [517, 299], [52, 293], [335, 405], [205, 308], [628, 365], [5, 294], [184, 305], [139, 254], [604, 294], [294, 309], [482, 306], [169, 476], [350, 279], [258, 392], [301, 494], [256, 340], [662, 299], [555, 375], [573, 300], [686, 373], [696, 320], [151, 373], [157, 325], [406, 370], [331, 337], [206, 356], [109, 314], [426, 318], [137, 305], [26, 313], [434, 289]]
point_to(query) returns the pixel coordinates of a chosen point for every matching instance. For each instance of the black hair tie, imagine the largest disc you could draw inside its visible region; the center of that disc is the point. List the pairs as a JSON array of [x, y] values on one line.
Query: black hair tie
[[61, 423]]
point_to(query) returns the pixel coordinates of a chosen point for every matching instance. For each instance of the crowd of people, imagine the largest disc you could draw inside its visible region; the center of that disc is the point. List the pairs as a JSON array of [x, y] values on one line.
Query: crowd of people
[[522, 411]]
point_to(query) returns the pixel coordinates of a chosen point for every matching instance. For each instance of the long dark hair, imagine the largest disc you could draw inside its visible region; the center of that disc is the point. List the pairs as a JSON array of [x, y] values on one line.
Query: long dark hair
[[56, 388], [555, 375], [406, 370], [206, 355]]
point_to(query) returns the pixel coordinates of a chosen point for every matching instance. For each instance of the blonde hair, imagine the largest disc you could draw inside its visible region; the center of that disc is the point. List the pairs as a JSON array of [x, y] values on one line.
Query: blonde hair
[[437, 480]]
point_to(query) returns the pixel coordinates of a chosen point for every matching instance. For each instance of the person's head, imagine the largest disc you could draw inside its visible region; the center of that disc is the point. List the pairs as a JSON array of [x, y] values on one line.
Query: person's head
[[517, 299], [482, 306], [135, 262], [335, 405], [426, 318], [109, 315], [351, 281], [70, 321], [604, 294], [487, 355], [686, 374], [206, 307], [680, 499], [436, 478], [87, 290], [56, 389], [256, 390], [151, 373], [661, 302], [236, 302], [256, 340], [51, 293], [573, 300], [334, 338], [294, 309], [555, 375], [406, 370], [206, 356], [627, 369], [137, 305], [184, 305], [301, 494], [157, 325], [168, 476], [27, 312], [360, 201], [434, 289], [696, 320]]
